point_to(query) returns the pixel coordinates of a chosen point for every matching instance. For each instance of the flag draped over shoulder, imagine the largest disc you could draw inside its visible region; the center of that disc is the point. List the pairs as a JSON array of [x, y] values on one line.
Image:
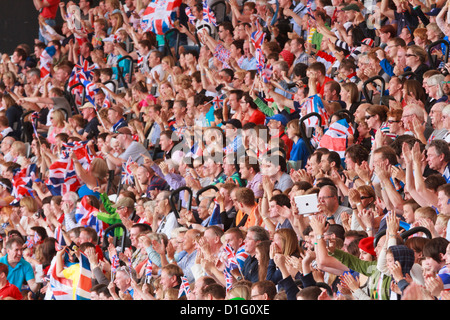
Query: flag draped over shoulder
[[61, 288], [159, 16], [336, 137]]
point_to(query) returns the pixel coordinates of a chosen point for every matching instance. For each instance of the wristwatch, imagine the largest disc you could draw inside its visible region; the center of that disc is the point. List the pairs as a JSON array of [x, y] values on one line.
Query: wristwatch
[[319, 236]]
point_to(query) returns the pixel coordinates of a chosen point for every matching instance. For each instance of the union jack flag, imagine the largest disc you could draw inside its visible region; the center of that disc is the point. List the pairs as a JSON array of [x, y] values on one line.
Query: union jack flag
[[80, 150], [127, 173], [61, 242], [84, 66], [228, 279], [62, 177], [115, 263], [257, 37], [159, 15], [30, 242], [107, 102], [85, 216], [149, 269], [60, 288], [218, 101], [208, 14], [22, 182], [314, 104], [185, 289], [83, 290], [222, 54], [190, 15], [45, 61], [336, 137], [309, 9], [229, 257], [91, 90]]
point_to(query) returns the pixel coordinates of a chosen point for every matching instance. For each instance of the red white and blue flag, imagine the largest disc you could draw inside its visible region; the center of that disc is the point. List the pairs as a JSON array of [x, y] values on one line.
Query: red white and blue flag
[[208, 14], [62, 177], [336, 137], [115, 263], [185, 288], [22, 182], [80, 150], [229, 257], [107, 101], [127, 173], [60, 288], [190, 15], [148, 269], [83, 290], [85, 216], [61, 242], [228, 279], [45, 61], [90, 89], [159, 16], [314, 104]]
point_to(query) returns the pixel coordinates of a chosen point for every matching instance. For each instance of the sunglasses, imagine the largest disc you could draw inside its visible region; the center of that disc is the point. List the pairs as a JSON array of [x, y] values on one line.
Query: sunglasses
[[368, 117], [393, 121]]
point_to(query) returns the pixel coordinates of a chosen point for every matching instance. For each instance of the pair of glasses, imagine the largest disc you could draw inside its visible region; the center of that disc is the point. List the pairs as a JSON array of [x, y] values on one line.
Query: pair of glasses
[[368, 117], [410, 55], [393, 121]]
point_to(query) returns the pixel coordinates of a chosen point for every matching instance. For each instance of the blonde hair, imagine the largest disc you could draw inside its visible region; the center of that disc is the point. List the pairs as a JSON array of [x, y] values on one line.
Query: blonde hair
[[425, 212], [241, 291], [58, 115], [29, 203], [99, 168], [19, 147]]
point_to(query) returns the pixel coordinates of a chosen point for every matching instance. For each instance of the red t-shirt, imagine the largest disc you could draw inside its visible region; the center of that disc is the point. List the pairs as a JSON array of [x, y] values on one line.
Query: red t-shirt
[[10, 290], [50, 12], [320, 88], [257, 117]]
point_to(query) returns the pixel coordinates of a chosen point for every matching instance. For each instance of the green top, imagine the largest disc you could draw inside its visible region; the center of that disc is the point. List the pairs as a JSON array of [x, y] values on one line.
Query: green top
[[369, 269], [110, 216]]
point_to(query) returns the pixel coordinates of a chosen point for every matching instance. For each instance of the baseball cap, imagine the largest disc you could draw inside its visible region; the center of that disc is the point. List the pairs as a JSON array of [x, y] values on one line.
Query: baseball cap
[[124, 130], [433, 12], [87, 105], [368, 42], [124, 202], [278, 117]]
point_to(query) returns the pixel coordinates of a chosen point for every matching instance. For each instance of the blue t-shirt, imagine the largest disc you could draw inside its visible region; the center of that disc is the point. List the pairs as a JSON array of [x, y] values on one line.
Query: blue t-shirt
[[22, 272], [299, 152]]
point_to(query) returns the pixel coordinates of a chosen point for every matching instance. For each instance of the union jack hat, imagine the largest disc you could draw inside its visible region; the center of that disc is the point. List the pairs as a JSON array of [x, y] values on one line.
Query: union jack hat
[[367, 42]]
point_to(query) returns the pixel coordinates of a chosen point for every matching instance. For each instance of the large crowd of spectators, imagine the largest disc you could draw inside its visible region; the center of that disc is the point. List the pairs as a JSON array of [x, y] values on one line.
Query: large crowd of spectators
[[175, 164]]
